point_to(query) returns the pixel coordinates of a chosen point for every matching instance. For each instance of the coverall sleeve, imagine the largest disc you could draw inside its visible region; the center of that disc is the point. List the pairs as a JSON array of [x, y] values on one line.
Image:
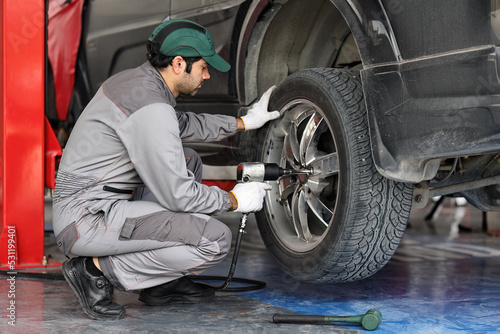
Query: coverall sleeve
[[205, 127], [151, 138]]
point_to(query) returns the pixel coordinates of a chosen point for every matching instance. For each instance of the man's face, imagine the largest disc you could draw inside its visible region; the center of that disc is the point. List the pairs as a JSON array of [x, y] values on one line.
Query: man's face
[[191, 82]]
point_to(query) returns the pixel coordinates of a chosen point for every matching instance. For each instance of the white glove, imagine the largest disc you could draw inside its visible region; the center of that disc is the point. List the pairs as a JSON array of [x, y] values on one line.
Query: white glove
[[250, 196], [258, 115]]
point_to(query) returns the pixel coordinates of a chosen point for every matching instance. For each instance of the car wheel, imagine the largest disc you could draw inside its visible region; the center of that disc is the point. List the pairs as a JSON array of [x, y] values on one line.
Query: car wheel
[[344, 221]]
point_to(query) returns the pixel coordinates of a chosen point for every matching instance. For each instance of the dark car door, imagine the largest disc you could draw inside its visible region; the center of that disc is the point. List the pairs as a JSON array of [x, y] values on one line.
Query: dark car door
[[115, 34]]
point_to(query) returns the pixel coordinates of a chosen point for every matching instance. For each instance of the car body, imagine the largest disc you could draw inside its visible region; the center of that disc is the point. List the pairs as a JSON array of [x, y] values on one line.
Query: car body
[[427, 77]]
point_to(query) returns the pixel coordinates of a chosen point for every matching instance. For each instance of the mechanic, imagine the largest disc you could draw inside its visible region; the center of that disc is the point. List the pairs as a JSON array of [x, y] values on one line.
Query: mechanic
[[129, 201]]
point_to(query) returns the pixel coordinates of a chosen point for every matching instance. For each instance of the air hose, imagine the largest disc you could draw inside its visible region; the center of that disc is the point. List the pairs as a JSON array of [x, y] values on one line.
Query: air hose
[[251, 284]]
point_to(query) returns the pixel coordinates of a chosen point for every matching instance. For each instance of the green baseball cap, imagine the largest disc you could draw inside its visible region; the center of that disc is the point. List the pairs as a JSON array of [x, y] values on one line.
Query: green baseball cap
[[187, 39]]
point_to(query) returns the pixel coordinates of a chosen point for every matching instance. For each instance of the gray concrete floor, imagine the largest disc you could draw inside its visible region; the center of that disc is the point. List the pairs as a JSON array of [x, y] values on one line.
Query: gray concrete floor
[[442, 279]]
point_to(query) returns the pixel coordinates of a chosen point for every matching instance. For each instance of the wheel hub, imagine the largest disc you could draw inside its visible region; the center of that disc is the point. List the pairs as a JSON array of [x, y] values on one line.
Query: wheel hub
[[303, 178]]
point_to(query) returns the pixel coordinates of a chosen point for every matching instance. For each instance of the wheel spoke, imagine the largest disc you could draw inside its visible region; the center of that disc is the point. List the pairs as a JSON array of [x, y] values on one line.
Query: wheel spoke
[[291, 114], [316, 185], [308, 142], [320, 210], [291, 146], [287, 186], [326, 165], [299, 213]]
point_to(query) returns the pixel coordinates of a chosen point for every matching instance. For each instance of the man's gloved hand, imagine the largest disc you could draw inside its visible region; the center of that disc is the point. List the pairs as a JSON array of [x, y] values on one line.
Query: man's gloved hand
[[250, 196], [258, 115]]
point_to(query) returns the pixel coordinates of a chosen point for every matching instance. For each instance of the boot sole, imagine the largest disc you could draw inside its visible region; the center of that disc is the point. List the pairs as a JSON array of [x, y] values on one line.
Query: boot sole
[[73, 282]]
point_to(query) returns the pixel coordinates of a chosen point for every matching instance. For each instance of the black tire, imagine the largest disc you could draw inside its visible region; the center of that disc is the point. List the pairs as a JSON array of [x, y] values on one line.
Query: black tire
[[345, 221]]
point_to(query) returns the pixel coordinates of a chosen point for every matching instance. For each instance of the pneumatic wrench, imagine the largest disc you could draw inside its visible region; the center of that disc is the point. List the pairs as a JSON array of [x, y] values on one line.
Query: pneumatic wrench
[[254, 172], [259, 171]]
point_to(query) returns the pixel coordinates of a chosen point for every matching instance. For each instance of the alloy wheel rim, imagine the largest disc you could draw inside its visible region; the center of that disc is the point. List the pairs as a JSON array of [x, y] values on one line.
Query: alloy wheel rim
[[301, 207]]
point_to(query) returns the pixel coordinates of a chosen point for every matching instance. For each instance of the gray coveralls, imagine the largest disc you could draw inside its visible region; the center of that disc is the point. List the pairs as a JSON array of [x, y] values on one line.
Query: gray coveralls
[[130, 139]]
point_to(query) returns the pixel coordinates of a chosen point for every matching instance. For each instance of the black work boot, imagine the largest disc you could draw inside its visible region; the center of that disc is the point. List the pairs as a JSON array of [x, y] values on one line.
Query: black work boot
[[180, 290], [95, 293]]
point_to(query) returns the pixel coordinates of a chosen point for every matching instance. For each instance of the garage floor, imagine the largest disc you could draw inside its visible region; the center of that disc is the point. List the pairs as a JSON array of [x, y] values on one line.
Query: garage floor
[[444, 278]]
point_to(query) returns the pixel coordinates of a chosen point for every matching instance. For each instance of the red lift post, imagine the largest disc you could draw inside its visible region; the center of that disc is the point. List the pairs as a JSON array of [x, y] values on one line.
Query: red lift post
[[22, 39]]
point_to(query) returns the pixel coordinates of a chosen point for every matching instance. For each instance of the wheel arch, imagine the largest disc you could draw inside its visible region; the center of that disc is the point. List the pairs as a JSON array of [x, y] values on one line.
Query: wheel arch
[[282, 37]]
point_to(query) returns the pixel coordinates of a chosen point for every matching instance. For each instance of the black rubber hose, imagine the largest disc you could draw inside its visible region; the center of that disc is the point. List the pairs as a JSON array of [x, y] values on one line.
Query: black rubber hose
[[254, 284]]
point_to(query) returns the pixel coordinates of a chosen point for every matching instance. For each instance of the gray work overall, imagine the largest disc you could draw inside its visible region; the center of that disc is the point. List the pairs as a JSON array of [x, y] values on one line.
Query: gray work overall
[[128, 140]]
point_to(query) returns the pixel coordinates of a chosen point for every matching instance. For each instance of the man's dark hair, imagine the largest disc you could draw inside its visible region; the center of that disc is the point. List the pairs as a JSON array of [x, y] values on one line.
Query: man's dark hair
[[161, 61]]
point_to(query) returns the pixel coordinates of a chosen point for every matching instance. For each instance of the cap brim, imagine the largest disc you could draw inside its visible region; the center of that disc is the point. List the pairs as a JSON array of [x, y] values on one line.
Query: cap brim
[[218, 63]]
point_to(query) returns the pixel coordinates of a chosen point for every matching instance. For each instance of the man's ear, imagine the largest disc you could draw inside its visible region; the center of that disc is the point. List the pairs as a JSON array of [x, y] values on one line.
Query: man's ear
[[178, 64]]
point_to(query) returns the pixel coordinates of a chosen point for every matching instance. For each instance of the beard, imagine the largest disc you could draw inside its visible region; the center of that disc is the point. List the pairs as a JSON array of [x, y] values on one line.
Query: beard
[[188, 88]]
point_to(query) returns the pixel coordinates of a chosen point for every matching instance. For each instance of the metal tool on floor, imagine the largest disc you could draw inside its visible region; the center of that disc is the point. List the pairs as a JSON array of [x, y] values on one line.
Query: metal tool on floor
[[370, 320]]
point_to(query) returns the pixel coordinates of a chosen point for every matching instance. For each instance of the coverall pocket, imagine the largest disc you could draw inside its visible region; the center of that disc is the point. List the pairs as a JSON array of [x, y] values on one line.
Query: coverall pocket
[[67, 238], [164, 226]]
